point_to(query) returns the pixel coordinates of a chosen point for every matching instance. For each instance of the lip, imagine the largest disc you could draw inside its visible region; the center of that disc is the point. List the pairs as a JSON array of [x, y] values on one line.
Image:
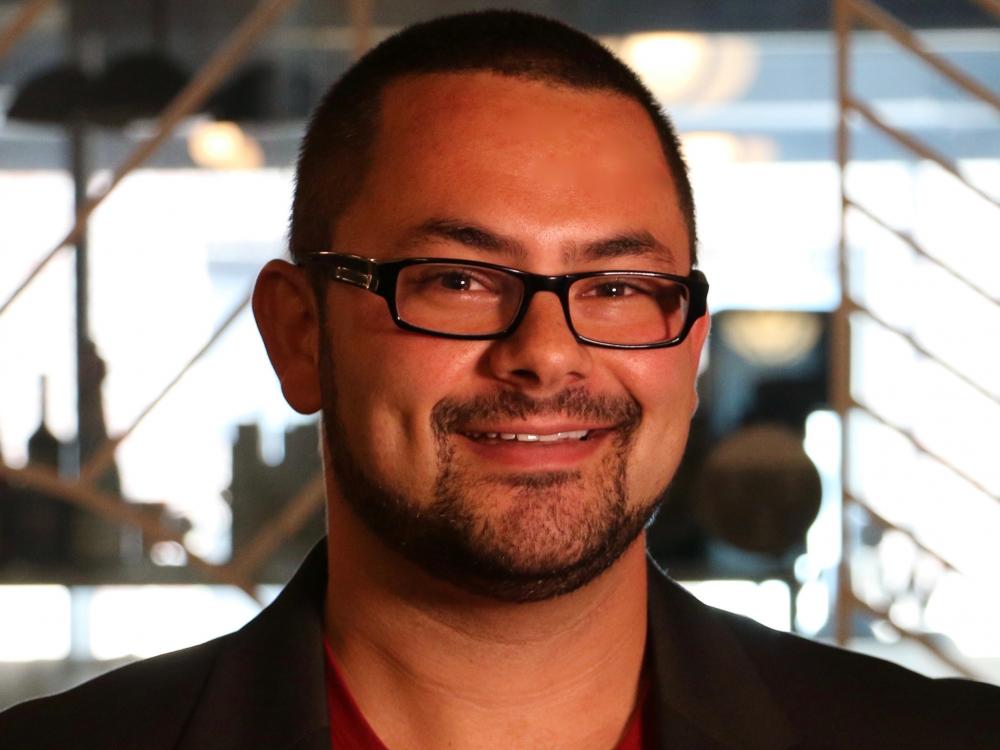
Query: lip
[[533, 428], [520, 456]]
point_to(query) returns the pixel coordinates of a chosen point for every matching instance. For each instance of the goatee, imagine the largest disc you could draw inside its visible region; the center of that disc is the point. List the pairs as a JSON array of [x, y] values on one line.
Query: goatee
[[516, 537]]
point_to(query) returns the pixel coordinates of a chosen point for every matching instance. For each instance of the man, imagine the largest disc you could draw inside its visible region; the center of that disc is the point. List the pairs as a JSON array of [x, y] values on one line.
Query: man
[[493, 304]]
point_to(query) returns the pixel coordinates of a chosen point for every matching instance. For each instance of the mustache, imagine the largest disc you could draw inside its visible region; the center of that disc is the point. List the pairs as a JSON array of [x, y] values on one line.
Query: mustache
[[450, 414]]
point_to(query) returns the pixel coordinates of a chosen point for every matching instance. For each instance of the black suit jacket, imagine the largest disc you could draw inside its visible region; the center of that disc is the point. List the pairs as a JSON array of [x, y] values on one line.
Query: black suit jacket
[[721, 681]]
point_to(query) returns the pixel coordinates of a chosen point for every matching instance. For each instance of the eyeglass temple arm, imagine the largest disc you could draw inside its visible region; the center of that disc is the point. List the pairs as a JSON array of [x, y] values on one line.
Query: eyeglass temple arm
[[352, 269]]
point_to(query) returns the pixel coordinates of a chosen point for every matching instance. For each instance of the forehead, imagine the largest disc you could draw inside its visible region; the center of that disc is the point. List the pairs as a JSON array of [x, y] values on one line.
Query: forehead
[[531, 156], [491, 105]]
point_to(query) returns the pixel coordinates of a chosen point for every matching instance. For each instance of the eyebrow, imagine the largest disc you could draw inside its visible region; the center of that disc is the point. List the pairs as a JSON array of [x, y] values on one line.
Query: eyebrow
[[465, 233], [630, 244]]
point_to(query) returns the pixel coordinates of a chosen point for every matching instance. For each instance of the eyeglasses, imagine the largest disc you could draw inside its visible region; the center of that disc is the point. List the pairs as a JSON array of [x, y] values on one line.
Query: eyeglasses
[[466, 299]]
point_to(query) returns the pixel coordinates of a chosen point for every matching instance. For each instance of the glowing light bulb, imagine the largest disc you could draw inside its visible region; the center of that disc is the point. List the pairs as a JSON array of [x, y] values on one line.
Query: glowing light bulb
[[223, 145]]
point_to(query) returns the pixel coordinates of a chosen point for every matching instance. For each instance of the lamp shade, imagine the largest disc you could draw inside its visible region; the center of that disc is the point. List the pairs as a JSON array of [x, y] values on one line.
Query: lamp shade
[[57, 95], [135, 86]]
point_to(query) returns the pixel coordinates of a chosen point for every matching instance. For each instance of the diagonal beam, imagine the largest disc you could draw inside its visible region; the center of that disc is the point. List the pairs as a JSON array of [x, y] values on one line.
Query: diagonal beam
[[920, 250], [207, 79], [924, 352], [120, 511], [25, 18], [878, 18], [886, 523], [103, 456], [916, 146], [291, 519], [918, 445]]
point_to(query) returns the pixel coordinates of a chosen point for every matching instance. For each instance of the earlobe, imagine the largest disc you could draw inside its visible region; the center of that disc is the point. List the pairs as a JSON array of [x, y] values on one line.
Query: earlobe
[[284, 307]]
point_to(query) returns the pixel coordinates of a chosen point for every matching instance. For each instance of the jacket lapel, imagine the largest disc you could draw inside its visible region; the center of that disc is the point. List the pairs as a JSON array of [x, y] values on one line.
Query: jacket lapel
[[267, 687], [710, 694]]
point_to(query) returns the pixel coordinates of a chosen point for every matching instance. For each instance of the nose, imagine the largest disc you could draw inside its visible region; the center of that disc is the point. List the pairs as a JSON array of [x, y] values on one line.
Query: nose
[[541, 355]]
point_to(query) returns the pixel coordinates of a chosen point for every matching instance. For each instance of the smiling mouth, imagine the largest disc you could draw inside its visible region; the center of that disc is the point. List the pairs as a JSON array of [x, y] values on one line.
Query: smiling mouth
[[531, 437]]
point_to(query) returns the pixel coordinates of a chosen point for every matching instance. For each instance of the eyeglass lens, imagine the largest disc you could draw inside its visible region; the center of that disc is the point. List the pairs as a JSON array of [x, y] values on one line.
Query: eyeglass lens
[[621, 308]]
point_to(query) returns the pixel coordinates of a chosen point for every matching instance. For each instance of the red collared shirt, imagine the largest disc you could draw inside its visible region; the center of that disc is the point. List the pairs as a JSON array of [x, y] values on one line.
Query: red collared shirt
[[350, 731]]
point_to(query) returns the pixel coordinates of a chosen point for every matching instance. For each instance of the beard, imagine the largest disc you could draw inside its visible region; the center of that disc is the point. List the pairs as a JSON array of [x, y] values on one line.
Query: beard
[[521, 537]]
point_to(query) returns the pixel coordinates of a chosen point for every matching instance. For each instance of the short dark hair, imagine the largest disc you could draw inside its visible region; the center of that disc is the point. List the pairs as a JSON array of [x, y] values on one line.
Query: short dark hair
[[336, 151]]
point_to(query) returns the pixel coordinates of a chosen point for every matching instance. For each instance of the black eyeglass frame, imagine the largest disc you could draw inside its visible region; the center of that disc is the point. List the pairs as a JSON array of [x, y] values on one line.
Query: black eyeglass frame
[[380, 277]]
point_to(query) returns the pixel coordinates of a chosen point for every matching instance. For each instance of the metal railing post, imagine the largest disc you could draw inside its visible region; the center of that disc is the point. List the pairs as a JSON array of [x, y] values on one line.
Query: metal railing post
[[840, 338]]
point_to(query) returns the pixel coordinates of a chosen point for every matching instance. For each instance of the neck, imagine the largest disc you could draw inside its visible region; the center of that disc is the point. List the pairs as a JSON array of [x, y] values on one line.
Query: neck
[[465, 671]]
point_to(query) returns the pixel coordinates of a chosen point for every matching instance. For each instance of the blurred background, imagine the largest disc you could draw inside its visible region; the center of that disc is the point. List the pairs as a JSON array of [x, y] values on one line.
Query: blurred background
[[843, 476]]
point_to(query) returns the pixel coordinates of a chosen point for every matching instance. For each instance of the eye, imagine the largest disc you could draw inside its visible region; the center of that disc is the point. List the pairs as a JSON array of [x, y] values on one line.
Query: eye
[[459, 281], [441, 279], [614, 289], [618, 287]]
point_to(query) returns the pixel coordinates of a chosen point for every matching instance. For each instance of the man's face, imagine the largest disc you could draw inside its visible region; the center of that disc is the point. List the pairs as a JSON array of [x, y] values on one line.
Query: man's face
[[551, 180]]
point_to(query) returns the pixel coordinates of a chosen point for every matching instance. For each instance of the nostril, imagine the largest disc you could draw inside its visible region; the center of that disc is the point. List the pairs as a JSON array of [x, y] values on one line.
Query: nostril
[[526, 374]]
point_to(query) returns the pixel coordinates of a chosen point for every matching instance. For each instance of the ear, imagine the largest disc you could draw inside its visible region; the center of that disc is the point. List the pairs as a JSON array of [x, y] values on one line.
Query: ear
[[284, 306], [697, 337]]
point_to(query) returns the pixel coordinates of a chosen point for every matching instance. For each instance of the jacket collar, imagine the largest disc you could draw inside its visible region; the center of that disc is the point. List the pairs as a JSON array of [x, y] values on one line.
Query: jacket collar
[[267, 687], [709, 691]]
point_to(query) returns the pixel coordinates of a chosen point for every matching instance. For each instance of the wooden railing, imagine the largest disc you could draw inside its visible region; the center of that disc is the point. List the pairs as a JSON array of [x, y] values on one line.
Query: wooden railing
[[849, 14], [83, 491]]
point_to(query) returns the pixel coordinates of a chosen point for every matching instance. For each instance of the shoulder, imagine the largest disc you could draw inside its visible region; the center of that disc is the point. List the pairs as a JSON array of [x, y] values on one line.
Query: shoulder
[[762, 681], [261, 686], [822, 686], [141, 705]]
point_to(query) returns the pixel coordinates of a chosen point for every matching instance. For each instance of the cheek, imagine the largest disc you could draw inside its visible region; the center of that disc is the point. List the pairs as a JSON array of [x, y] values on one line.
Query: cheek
[[387, 384], [664, 387]]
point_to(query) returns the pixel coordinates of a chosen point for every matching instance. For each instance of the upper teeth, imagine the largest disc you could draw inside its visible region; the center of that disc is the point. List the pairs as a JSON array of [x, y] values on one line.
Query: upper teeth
[[530, 437]]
